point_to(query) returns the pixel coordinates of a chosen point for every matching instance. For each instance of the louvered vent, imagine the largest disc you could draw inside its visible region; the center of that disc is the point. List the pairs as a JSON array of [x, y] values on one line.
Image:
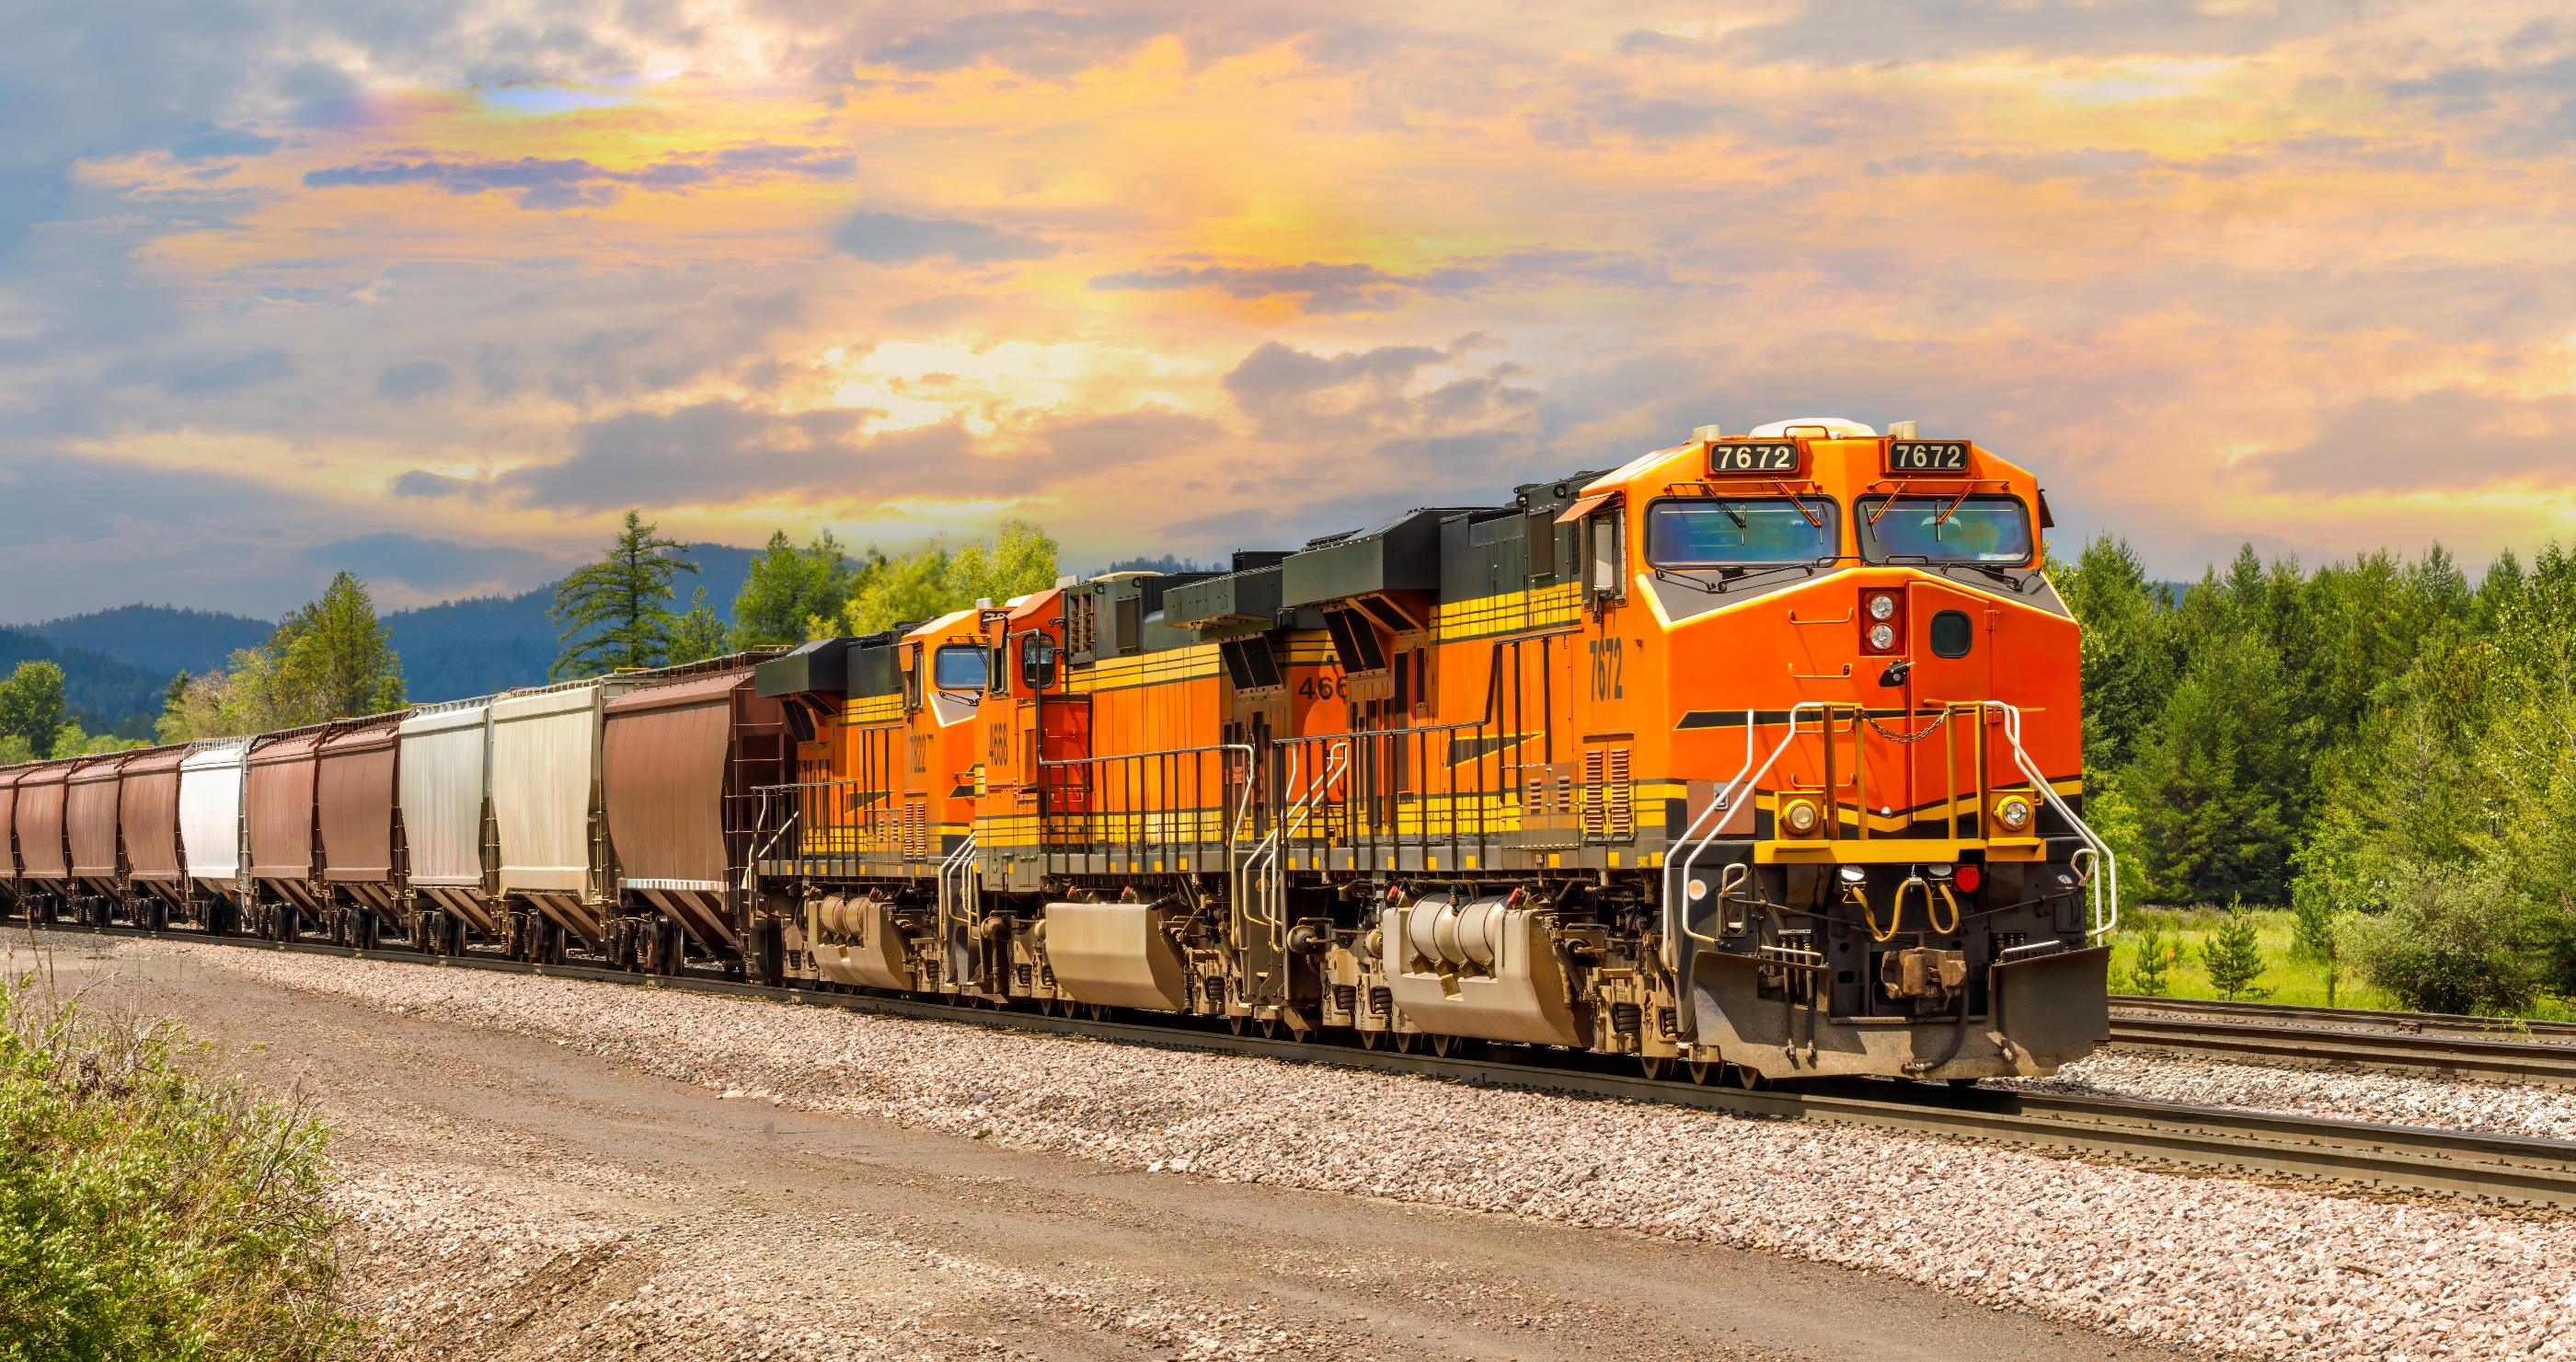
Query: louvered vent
[[1595, 809], [1623, 809]]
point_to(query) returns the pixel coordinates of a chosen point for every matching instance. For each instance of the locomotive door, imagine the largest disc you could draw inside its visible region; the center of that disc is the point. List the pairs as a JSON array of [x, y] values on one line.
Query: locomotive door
[[1948, 638]]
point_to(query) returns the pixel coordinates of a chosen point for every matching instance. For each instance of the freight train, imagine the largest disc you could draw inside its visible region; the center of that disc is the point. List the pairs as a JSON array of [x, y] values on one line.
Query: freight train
[[1757, 759]]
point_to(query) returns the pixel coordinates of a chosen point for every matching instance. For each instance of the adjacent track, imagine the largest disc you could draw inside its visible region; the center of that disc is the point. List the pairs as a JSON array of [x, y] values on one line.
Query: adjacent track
[[2395, 1157], [2411, 1046], [2351, 1018]]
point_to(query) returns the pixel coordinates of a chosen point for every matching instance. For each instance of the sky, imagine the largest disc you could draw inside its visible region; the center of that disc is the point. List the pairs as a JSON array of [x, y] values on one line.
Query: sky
[[435, 293]]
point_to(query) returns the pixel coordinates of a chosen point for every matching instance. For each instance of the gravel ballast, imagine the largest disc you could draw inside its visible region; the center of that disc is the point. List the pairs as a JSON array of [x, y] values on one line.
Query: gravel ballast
[[2218, 1264], [2344, 1095]]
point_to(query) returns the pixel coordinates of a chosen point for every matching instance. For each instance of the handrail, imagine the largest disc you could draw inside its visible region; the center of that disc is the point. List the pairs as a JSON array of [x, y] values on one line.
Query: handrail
[[1260, 868], [959, 863], [2092, 839], [1722, 805]]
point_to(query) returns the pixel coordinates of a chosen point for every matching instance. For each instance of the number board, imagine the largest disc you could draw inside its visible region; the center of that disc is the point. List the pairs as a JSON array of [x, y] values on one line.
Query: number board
[[1927, 456], [1777, 458]]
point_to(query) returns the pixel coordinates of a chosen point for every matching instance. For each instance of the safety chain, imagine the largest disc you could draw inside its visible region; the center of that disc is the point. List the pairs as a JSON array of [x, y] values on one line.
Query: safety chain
[[1906, 738]]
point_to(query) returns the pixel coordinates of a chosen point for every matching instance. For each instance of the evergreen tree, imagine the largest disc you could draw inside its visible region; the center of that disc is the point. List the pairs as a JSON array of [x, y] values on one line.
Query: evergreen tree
[[2232, 957], [2213, 783], [789, 586], [335, 659], [699, 634], [615, 613], [31, 705]]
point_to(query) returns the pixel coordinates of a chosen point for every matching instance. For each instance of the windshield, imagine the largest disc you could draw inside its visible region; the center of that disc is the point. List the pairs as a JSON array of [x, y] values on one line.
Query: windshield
[[959, 668], [1945, 530], [1731, 531]]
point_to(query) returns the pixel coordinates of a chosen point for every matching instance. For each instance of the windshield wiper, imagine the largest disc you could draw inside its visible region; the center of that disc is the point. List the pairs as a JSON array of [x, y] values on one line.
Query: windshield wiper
[[1735, 515]]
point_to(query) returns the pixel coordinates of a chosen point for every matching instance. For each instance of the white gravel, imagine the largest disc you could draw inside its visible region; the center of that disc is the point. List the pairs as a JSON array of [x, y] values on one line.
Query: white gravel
[[2222, 1265], [2400, 1099]]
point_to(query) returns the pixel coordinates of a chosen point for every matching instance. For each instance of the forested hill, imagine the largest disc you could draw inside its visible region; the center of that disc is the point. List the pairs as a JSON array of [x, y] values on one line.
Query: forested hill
[[101, 693], [157, 638], [118, 663], [490, 643]]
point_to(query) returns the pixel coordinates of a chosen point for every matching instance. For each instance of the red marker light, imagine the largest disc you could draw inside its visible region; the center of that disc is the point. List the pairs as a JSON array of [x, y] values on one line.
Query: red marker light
[[1967, 877]]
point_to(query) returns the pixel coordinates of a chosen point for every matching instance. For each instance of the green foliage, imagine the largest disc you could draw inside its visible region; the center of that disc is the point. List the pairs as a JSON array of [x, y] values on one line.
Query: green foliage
[[2148, 972], [2454, 940], [925, 585], [329, 659], [147, 1211], [31, 705], [2232, 958], [699, 634], [2220, 772], [615, 613], [789, 586]]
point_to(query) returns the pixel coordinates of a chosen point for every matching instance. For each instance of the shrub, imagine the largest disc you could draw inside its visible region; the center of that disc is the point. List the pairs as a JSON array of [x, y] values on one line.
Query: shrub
[[147, 1211], [2453, 939], [2156, 955], [2233, 960]]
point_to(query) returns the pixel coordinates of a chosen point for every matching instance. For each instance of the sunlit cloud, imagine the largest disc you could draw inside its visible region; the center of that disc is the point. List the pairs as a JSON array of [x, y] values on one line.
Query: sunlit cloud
[[1178, 280]]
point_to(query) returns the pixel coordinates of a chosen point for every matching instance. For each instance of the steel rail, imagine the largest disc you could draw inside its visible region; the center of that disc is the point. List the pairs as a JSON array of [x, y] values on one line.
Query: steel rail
[[2416, 1023], [2391, 1157], [2493, 1061]]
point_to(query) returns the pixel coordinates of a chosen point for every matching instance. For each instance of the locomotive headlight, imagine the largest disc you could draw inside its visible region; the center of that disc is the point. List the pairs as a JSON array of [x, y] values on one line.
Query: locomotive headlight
[[1800, 817], [1882, 636], [2013, 812], [1882, 607]]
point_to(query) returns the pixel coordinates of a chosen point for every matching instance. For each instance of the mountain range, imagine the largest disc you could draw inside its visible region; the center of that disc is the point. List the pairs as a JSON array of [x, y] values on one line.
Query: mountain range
[[117, 664]]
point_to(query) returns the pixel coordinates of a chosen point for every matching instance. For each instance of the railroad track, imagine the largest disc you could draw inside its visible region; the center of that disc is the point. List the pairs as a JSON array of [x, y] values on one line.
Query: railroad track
[[2392, 1157], [2411, 1023], [2456, 1054]]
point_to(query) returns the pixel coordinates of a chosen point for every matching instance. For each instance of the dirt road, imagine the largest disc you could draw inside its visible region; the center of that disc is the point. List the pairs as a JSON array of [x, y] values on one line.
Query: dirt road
[[513, 1198]]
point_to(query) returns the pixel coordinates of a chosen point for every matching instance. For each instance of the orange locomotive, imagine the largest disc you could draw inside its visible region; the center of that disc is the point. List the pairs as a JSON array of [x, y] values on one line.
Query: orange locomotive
[[1758, 756]]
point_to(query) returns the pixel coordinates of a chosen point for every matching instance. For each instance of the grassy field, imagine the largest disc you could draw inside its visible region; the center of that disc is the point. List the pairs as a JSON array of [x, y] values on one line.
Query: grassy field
[[2289, 978]]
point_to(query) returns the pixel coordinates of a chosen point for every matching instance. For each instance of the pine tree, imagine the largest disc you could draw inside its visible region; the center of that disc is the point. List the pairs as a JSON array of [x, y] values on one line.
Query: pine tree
[[615, 613], [335, 659], [699, 634], [2155, 957], [2231, 956]]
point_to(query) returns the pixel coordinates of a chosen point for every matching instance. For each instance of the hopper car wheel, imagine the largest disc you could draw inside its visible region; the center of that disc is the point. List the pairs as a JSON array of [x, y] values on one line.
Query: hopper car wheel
[[1656, 1066], [1704, 1071], [1100, 1011]]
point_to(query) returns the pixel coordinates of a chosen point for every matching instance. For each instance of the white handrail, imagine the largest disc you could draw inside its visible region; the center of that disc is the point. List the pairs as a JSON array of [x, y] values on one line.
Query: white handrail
[[959, 863], [1261, 867], [1722, 806], [2048, 792]]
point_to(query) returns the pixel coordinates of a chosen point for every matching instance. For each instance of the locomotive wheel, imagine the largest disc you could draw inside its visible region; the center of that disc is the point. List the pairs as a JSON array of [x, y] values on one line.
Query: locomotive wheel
[[1235, 1024], [1447, 1046], [1656, 1066], [1747, 1079], [1406, 1042], [1270, 1029], [1100, 1011], [1370, 1040], [1704, 1071]]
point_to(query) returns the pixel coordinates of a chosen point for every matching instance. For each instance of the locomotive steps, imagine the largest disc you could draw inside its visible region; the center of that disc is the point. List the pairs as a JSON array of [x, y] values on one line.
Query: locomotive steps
[[2485, 1167]]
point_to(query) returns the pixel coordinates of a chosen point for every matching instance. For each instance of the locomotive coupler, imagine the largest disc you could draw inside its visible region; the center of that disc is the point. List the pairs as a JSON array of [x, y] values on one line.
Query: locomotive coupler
[[1927, 976]]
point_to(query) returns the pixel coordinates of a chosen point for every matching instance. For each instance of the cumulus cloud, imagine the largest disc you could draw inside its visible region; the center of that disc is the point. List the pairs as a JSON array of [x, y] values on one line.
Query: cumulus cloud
[[1340, 289], [2451, 439], [1038, 42], [895, 239], [415, 378]]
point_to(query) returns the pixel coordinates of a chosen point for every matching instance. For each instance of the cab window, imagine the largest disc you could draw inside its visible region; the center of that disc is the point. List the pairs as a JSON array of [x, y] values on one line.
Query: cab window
[[1738, 531], [959, 667], [1938, 529]]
